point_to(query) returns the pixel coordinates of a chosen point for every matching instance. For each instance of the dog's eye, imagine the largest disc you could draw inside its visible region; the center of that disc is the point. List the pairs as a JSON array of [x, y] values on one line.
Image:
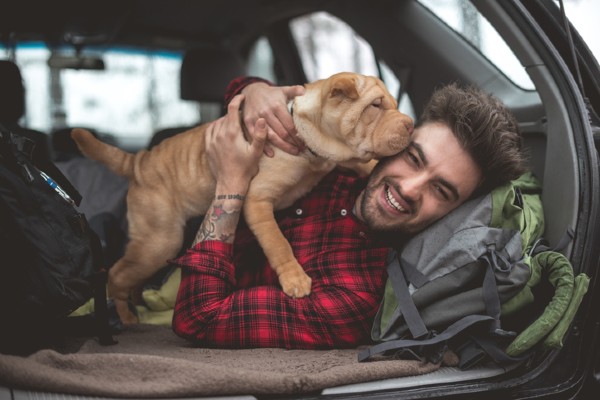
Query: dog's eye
[[376, 103]]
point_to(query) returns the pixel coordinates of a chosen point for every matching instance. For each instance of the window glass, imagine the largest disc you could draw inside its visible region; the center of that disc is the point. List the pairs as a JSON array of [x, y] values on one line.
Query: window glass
[[463, 17], [393, 84], [261, 61], [134, 96], [328, 45]]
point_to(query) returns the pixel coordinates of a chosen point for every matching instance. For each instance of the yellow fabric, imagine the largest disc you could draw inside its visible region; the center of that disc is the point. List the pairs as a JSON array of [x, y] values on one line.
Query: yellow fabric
[[159, 303]]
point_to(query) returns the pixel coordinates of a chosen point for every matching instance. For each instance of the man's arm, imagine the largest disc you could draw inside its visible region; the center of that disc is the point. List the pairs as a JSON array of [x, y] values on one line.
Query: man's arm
[[213, 310], [221, 219], [233, 162]]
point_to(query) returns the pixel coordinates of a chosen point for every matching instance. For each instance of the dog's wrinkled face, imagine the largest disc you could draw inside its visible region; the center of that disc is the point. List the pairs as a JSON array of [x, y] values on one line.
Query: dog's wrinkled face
[[356, 115]]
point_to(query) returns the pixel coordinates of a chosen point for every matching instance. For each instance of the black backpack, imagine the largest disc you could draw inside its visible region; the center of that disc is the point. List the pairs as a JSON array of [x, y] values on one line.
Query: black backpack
[[50, 260]]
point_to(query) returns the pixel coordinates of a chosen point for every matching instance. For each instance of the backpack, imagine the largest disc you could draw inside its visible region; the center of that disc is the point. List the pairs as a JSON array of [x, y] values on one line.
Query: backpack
[[457, 284], [51, 261]]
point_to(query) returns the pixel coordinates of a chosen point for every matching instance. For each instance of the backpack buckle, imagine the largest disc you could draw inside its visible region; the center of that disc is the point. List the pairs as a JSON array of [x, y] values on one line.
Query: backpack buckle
[[501, 333]]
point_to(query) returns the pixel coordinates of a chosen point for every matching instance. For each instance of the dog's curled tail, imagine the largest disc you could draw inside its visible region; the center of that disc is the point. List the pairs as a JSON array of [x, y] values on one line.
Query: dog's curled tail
[[117, 160]]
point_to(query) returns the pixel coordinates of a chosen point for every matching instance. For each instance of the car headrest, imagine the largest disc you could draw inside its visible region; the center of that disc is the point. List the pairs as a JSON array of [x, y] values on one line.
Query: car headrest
[[206, 72], [12, 101]]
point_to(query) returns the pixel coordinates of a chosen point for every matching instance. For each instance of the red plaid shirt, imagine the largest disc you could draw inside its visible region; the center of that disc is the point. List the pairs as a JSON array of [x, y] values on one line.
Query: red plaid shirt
[[230, 297], [239, 83]]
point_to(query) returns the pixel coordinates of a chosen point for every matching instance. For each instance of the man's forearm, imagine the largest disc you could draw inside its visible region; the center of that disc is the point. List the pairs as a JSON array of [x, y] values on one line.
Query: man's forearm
[[221, 219]]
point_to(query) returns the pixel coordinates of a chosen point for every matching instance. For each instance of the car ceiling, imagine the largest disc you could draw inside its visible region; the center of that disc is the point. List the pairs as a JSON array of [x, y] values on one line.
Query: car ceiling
[[172, 23], [183, 24]]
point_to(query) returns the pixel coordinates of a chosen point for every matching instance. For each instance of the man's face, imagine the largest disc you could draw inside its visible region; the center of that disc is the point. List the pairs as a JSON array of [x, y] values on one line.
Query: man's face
[[427, 180]]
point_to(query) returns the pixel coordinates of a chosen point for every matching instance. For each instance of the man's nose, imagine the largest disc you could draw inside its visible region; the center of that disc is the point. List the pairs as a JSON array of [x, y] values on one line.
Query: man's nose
[[413, 186]]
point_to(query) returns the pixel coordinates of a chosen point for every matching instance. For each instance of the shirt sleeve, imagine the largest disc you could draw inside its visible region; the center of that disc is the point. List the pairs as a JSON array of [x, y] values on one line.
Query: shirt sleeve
[[238, 84], [212, 311]]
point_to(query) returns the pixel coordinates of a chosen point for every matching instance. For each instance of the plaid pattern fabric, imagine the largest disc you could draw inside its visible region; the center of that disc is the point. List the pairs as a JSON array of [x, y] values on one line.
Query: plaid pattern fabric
[[230, 297], [238, 84]]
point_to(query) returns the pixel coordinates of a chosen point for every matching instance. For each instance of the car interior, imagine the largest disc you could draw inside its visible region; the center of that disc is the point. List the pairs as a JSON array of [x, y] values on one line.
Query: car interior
[[409, 44]]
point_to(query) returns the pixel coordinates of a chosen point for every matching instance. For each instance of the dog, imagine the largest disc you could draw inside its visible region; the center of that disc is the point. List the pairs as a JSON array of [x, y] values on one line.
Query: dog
[[348, 120]]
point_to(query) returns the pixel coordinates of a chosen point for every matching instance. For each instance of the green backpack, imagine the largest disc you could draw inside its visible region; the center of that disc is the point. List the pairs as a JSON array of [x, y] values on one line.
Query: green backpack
[[454, 284]]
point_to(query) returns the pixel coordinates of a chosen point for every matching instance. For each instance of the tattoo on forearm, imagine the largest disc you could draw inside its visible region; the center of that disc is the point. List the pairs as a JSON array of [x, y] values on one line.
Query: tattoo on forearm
[[230, 197], [219, 224]]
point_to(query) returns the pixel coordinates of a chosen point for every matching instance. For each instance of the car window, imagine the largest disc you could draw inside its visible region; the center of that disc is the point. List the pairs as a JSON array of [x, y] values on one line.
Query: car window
[[134, 96], [463, 18], [261, 60], [137, 93], [328, 45]]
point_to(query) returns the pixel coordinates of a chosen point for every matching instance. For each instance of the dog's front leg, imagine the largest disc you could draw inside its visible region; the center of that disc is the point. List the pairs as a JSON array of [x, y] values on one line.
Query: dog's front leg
[[261, 220]]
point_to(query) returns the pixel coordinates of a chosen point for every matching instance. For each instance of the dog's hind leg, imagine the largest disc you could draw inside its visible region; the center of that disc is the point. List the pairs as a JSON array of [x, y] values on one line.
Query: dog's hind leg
[[144, 256], [261, 220]]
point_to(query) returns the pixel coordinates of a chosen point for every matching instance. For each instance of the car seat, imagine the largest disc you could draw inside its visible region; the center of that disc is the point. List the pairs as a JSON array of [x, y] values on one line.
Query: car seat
[[205, 74], [12, 108]]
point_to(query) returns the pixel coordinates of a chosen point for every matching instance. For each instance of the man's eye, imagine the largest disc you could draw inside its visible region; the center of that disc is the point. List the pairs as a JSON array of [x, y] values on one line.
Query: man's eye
[[440, 191], [412, 158]]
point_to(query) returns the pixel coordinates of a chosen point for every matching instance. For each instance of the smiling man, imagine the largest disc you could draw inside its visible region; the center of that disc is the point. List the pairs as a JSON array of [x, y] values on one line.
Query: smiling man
[[466, 143], [412, 190]]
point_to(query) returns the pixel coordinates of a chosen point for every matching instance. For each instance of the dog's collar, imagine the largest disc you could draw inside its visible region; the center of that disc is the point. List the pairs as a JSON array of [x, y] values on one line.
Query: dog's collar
[[290, 107]]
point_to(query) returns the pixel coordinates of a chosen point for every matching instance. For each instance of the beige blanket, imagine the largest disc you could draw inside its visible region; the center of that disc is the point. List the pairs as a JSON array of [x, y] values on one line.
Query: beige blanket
[[150, 361]]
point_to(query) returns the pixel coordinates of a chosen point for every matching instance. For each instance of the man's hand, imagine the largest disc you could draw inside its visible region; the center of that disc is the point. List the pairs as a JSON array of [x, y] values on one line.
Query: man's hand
[[232, 160], [270, 103]]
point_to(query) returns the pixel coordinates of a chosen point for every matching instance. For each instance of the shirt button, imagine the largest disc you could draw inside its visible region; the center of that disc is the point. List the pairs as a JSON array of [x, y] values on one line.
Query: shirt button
[[362, 234], [298, 211], [343, 212]]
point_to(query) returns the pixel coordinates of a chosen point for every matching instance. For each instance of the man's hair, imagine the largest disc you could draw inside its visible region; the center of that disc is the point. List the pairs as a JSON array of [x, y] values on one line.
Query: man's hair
[[484, 127]]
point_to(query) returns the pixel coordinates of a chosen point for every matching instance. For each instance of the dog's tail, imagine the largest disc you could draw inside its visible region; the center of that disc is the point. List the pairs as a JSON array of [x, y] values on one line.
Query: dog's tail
[[117, 160]]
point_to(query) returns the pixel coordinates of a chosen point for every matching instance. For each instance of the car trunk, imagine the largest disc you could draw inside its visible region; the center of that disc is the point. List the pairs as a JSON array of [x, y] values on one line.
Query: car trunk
[[559, 128]]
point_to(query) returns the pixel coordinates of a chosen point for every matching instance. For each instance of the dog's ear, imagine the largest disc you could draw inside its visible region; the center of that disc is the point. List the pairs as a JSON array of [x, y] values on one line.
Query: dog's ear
[[345, 86]]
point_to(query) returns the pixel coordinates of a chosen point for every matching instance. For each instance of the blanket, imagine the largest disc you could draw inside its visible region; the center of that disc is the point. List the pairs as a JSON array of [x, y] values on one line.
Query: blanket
[[150, 361]]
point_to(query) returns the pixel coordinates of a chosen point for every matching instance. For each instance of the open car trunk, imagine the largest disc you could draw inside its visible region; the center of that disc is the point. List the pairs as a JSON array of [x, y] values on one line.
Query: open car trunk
[[559, 128]]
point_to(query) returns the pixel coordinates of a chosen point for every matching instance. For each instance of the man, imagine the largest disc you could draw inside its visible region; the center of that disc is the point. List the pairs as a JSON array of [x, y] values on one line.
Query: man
[[465, 143]]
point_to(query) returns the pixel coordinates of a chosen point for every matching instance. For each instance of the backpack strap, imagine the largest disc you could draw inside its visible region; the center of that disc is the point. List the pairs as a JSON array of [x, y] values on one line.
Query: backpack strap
[[439, 339], [498, 262], [478, 347], [405, 302], [490, 288], [412, 274], [541, 245]]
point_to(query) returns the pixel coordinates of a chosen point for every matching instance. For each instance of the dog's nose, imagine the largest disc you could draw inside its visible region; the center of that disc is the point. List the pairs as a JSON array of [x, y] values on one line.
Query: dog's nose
[[409, 125]]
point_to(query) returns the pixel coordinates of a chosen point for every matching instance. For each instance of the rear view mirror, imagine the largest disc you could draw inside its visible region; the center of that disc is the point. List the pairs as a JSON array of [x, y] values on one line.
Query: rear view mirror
[[76, 62]]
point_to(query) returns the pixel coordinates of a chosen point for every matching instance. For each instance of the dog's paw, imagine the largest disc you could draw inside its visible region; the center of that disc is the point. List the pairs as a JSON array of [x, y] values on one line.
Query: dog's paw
[[295, 283], [125, 314]]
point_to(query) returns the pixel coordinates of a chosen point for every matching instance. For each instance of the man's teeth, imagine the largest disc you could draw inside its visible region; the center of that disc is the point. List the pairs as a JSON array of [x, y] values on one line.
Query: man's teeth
[[392, 201]]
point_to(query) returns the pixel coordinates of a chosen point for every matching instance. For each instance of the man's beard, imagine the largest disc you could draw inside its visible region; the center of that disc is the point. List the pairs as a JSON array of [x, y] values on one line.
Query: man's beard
[[389, 234], [371, 215]]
